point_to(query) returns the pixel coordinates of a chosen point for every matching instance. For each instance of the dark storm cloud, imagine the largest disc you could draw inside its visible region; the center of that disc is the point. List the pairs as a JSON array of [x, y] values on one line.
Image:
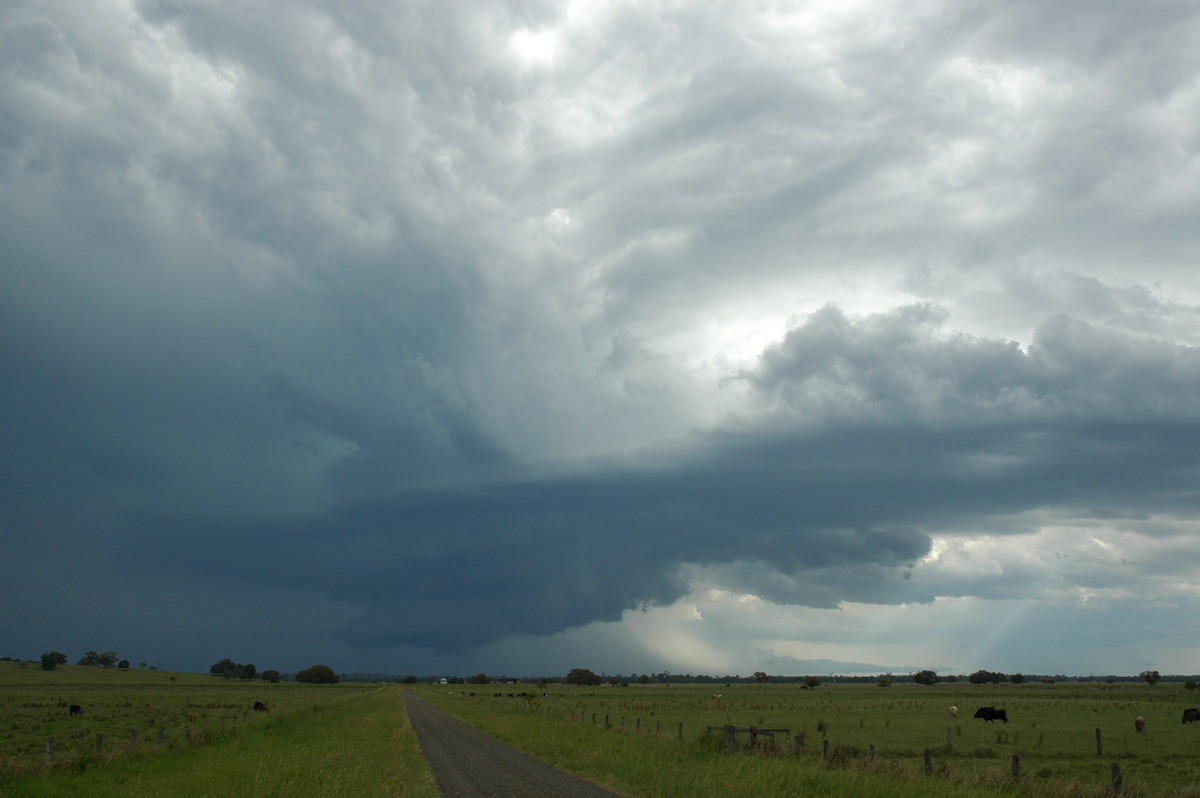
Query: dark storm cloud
[[366, 310], [957, 430]]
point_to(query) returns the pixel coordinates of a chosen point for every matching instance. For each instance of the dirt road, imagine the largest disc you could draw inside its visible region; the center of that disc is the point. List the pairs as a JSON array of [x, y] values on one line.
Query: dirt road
[[469, 764]]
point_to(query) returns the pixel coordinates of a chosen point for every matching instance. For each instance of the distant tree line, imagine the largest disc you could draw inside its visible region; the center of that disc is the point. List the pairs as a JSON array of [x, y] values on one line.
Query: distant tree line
[[323, 674]]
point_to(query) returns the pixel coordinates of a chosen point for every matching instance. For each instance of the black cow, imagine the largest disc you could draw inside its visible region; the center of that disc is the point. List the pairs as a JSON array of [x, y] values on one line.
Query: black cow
[[1190, 715], [260, 706], [990, 714], [76, 710]]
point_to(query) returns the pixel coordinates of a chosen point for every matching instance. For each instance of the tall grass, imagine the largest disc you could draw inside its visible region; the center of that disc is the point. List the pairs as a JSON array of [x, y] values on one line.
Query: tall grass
[[361, 747]]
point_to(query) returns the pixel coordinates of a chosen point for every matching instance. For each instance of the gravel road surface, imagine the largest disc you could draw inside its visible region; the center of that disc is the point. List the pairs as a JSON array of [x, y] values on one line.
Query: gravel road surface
[[468, 764]]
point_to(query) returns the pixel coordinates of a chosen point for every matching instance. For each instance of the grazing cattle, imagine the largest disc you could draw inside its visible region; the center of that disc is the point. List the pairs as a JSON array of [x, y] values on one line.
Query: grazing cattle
[[990, 714], [260, 706], [954, 712], [1139, 724], [1190, 715], [76, 710]]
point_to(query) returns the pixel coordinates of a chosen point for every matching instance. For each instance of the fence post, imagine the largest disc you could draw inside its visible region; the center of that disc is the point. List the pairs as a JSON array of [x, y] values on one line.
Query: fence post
[[825, 748], [872, 752], [161, 732], [99, 742], [49, 748], [947, 736], [928, 761], [1016, 766], [728, 739], [1099, 745], [133, 739], [658, 727], [637, 726], [1116, 777], [680, 730]]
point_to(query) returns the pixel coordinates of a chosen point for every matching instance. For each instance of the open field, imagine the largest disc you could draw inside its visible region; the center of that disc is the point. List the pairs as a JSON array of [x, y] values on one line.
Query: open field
[[199, 735], [355, 739], [1052, 730]]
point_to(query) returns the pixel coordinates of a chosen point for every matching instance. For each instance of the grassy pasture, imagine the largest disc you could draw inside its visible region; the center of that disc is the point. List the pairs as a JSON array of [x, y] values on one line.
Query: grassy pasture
[[326, 739], [1052, 728]]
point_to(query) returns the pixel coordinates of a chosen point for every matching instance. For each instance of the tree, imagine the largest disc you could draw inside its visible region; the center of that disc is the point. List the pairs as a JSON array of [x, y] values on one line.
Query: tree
[[228, 669], [885, 682], [1017, 678], [984, 677], [318, 674], [761, 676], [1151, 677], [52, 659], [925, 677], [479, 678], [582, 676], [271, 676], [812, 682], [89, 658]]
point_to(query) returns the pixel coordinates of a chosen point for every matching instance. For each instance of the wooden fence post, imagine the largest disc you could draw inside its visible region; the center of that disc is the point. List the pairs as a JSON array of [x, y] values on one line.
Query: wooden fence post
[[161, 732], [947, 736], [49, 748], [99, 742], [1016, 766], [928, 761], [872, 752], [1099, 744], [1116, 777], [680, 730], [825, 748]]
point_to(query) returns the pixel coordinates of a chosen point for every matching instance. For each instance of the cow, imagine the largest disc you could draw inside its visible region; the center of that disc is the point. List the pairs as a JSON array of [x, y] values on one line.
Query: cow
[[1139, 724], [1190, 715], [954, 712], [75, 710], [260, 706], [990, 714]]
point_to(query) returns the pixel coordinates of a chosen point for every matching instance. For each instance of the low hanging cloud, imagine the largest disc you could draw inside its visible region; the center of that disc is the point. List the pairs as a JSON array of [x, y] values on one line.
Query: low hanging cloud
[[881, 432]]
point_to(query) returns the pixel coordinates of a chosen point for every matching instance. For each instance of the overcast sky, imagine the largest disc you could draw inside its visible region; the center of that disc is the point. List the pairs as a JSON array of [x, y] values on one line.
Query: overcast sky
[[706, 337]]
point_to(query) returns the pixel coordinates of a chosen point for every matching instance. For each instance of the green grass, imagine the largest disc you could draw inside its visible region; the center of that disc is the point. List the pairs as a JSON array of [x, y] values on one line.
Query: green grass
[[355, 739], [1052, 730], [316, 740]]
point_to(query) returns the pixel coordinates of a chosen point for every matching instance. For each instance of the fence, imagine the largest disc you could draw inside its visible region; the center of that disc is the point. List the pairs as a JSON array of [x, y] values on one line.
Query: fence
[[795, 743]]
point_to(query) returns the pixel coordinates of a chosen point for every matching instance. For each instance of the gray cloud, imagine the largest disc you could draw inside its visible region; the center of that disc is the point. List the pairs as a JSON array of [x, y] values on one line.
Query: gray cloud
[[367, 311]]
